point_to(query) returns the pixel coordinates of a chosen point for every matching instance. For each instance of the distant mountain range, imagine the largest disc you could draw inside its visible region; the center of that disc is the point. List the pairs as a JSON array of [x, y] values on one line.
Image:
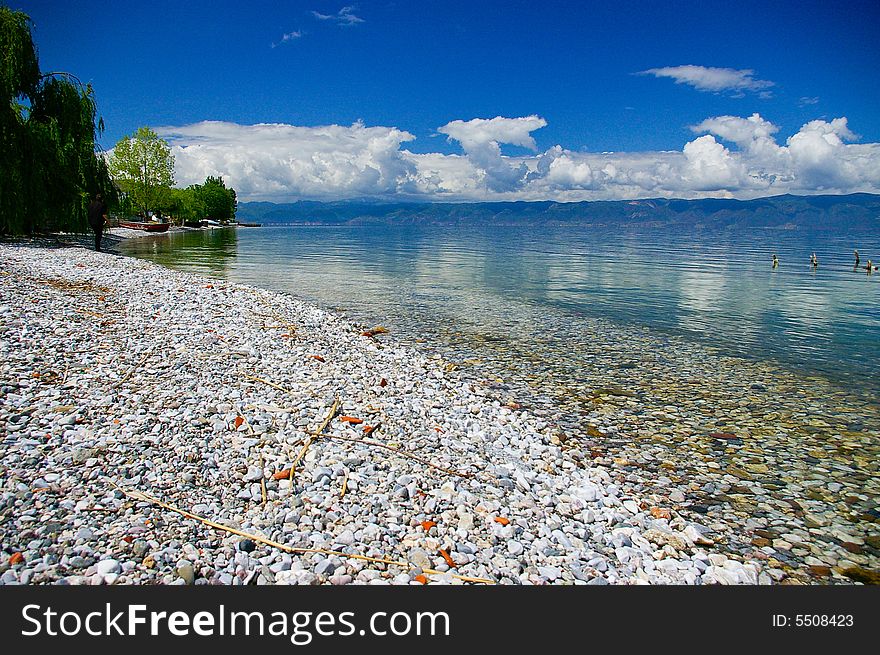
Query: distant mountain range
[[860, 211]]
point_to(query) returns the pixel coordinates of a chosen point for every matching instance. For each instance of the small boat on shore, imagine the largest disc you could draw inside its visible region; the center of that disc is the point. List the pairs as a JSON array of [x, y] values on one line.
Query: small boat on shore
[[249, 224], [146, 226]]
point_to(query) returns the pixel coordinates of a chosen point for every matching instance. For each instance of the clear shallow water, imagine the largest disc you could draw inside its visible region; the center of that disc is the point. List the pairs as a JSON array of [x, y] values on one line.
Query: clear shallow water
[[714, 288], [618, 340]]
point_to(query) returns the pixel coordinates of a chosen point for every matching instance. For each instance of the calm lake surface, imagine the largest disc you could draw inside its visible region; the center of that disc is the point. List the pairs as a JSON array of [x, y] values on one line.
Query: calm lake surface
[[667, 358], [455, 286]]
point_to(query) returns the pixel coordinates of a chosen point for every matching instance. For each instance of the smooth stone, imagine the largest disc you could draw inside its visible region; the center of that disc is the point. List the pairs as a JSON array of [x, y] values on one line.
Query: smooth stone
[[70, 419], [420, 558], [253, 474], [187, 573], [84, 533], [79, 562], [107, 566], [325, 567], [631, 506]]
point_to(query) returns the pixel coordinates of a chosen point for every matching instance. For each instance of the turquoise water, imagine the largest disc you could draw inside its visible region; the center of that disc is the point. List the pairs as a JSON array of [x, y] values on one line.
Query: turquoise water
[[712, 288]]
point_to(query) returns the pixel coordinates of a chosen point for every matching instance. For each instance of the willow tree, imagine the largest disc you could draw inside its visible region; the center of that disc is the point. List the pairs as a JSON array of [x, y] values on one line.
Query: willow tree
[[143, 166], [48, 164]]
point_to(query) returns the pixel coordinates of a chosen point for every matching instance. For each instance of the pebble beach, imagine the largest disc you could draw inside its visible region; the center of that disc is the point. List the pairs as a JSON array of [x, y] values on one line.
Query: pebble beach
[[160, 427]]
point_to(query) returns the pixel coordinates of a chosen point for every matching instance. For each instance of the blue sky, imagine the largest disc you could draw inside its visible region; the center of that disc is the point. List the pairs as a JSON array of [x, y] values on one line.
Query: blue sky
[[418, 67]]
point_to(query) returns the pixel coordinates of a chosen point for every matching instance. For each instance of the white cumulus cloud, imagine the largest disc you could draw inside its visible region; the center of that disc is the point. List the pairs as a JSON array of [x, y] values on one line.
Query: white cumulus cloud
[[820, 157], [709, 166], [752, 135], [708, 78], [730, 156], [481, 141], [815, 159], [274, 160]]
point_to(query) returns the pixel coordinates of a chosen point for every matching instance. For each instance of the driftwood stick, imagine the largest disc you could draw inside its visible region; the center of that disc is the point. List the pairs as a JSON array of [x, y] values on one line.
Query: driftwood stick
[[290, 326], [139, 495], [320, 429], [271, 384], [396, 451], [134, 368]]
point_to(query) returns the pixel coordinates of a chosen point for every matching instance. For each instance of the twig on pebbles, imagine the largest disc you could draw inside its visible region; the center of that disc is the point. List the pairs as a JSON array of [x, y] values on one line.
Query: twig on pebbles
[[314, 394], [290, 326], [125, 377], [271, 384], [315, 434], [247, 423], [396, 451], [142, 497]]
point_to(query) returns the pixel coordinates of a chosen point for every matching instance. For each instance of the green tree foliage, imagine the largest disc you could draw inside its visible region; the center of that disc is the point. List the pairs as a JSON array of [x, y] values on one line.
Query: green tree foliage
[[219, 202], [48, 165], [143, 166], [208, 200], [183, 205]]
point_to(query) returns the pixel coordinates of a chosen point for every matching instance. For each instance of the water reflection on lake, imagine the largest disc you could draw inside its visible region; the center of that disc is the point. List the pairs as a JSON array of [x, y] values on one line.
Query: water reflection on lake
[[716, 288], [206, 251]]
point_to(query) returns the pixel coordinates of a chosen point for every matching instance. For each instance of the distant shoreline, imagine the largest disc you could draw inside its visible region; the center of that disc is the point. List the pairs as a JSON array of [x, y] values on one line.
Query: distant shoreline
[[828, 212]]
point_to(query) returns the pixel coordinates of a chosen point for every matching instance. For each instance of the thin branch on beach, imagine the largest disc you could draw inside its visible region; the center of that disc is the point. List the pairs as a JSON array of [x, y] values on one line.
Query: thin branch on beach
[[142, 497], [313, 394], [124, 378], [247, 423], [396, 451], [320, 433], [311, 439], [290, 326], [271, 384]]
